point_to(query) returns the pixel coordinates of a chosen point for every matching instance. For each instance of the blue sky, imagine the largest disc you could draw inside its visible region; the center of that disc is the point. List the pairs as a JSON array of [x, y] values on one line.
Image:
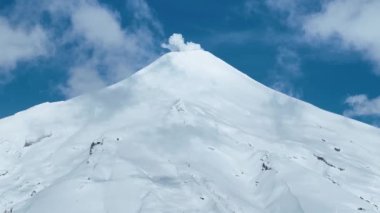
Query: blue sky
[[324, 52]]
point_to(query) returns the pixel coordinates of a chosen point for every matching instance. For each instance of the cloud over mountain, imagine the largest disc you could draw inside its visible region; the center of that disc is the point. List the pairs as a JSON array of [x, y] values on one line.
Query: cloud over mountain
[[19, 43], [91, 36]]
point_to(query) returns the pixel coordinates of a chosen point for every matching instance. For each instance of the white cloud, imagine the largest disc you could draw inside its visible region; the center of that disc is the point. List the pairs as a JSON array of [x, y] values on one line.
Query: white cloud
[[361, 105], [177, 43], [289, 61], [286, 87], [288, 6], [20, 44], [354, 22], [98, 26], [108, 50], [86, 34], [292, 11], [347, 24], [143, 14], [248, 8], [82, 80], [286, 70]]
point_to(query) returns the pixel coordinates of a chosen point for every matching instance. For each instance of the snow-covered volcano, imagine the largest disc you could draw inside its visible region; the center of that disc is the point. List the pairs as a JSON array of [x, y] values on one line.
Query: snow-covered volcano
[[188, 133]]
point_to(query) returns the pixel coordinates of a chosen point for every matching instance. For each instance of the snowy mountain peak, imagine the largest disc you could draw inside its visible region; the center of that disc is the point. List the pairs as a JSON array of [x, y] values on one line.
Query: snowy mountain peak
[[188, 133], [193, 73], [194, 63]]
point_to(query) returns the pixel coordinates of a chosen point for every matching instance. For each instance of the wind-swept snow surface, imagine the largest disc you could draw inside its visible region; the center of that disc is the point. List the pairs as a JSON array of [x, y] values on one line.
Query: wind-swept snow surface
[[188, 133]]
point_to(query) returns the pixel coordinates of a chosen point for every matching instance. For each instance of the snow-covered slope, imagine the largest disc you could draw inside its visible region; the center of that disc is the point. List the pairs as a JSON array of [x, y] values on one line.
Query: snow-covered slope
[[188, 133]]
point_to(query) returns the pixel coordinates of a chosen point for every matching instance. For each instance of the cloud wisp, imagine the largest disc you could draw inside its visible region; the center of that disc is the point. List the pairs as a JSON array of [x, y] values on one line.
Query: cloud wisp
[[110, 52], [348, 25], [20, 44], [286, 70], [99, 48], [354, 23], [361, 105]]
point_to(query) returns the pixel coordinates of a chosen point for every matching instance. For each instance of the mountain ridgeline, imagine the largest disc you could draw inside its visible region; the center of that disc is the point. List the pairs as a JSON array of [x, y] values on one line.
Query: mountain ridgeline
[[188, 133]]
